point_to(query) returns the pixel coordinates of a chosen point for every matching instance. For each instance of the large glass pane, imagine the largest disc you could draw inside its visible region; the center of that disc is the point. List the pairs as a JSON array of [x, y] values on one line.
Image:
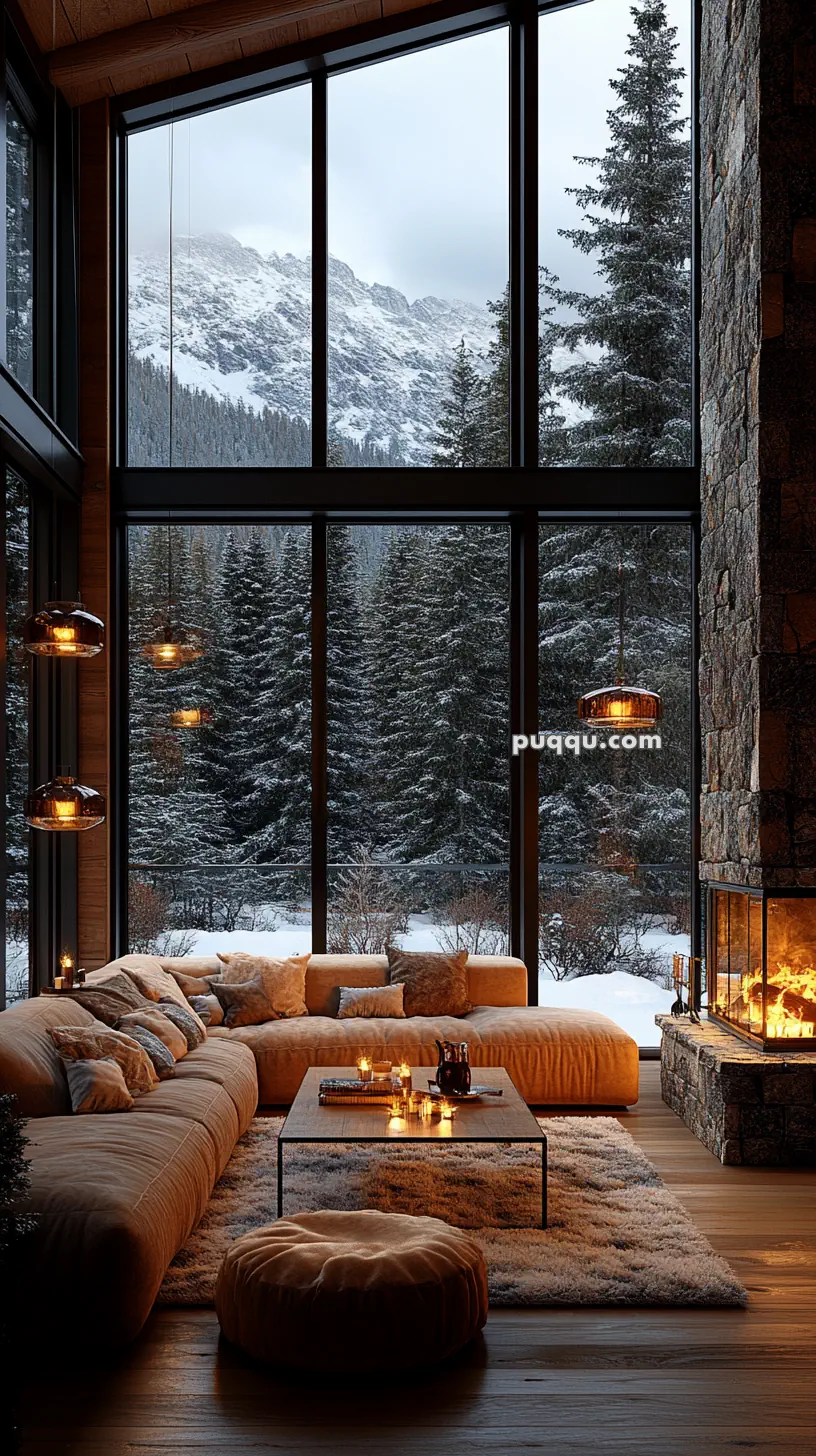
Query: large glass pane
[[220, 809], [16, 683], [219, 279], [418, 266], [19, 248], [615, 808], [615, 234], [418, 724]]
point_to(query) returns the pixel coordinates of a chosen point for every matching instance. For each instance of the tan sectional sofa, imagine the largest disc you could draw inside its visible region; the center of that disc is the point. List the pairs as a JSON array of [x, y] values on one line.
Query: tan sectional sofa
[[556, 1057], [118, 1195]]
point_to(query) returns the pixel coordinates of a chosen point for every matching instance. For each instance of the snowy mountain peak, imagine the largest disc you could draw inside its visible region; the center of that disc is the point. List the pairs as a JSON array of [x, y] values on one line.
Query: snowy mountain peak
[[241, 331]]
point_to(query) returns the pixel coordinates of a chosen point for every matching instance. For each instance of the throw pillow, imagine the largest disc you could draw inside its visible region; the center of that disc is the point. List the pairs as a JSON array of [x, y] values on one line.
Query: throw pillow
[[194, 985], [107, 1000], [245, 1003], [159, 1025], [161, 1057], [155, 983], [284, 980], [371, 1001], [91, 1043], [187, 1023], [208, 1009], [435, 983], [97, 1086]]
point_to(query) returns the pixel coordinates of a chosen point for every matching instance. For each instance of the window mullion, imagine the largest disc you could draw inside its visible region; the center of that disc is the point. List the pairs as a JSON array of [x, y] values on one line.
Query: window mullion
[[319, 854], [320, 272]]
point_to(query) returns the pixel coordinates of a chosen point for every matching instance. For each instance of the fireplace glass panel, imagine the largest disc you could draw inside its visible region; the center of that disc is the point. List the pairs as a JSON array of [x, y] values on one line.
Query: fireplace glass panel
[[762, 974]]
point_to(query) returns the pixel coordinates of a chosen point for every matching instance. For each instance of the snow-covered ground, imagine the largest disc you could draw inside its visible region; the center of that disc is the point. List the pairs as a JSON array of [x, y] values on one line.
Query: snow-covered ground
[[631, 1001]]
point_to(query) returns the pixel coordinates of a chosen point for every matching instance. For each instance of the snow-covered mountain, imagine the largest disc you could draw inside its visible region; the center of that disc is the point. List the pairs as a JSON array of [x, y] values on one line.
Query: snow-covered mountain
[[241, 331]]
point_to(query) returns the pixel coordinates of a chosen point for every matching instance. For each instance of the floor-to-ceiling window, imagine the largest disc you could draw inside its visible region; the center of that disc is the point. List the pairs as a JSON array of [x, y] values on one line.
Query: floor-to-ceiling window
[[339, 273], [16, 576]]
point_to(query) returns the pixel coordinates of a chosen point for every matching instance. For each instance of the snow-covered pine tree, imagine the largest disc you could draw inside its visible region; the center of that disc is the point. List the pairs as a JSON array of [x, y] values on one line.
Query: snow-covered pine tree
[[494, 428], [457, 807], [348, 744], [281, 801], [396, 637], [553, 446], [637, 393], [459, 435]]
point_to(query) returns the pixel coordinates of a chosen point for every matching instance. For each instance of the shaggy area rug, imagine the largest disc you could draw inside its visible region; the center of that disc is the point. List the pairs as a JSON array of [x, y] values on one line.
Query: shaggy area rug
[[615, 1235]]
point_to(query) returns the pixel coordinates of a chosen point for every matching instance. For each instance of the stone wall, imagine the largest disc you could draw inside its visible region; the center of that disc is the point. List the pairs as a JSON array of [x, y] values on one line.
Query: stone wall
[[758, 378], [746, 1105]]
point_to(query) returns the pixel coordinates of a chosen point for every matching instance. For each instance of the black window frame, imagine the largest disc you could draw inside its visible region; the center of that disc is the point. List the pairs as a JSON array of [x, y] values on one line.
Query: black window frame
[[38, 440], [521, 494]]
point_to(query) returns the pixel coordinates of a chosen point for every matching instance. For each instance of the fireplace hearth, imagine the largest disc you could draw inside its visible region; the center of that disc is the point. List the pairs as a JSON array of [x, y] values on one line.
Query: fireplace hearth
[[761, 965]]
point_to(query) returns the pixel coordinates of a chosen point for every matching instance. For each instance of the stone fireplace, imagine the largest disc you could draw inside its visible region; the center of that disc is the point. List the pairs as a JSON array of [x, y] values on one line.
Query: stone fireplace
[[750, 1096]]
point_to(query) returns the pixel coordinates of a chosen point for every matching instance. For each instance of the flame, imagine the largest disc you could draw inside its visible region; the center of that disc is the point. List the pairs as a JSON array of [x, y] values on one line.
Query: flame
[[783, 1017]]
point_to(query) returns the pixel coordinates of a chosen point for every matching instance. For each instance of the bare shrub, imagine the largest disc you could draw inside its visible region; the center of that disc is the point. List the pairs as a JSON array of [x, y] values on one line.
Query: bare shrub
[[475, 921], [148, 931], [593, 925], [366, 913]]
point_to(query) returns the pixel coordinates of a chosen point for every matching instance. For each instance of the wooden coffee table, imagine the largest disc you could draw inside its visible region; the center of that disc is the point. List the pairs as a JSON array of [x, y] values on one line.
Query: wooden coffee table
[[505, 1119]]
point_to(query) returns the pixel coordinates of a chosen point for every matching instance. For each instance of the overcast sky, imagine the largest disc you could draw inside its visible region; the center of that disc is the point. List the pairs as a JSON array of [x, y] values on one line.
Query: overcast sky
[[417, 159]]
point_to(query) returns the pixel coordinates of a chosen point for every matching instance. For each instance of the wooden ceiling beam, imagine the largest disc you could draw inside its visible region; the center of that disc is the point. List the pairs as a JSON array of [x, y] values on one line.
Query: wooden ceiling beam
[[89, 66]]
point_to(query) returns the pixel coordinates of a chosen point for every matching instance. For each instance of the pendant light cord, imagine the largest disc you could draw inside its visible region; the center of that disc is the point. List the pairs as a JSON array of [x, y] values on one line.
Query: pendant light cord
[[620, 679]]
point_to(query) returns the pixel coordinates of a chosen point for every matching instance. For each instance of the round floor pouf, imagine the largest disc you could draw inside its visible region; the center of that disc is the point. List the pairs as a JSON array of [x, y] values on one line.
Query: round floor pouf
[[351, 1292]]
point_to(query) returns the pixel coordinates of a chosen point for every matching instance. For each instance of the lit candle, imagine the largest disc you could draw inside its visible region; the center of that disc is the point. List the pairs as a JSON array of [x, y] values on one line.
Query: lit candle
[[364, 1068], [58, 980], [396, 1105], [405, 1078], [66, 978], [447, 1110]]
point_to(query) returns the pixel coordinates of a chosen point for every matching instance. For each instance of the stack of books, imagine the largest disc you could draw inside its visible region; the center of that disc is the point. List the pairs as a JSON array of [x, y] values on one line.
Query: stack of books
[[351, 1091]]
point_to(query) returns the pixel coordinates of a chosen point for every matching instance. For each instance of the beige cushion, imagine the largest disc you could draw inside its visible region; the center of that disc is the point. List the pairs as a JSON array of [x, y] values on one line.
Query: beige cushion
[[208, 1009], [161, 1026], [349, 1292], [194, 985], [246, 1003], [157, 984], [30, 1065], [554, 1056], [284, 980], [77, 1043], [107, 998], [370, 1001], [436, 983], [97, 1086]]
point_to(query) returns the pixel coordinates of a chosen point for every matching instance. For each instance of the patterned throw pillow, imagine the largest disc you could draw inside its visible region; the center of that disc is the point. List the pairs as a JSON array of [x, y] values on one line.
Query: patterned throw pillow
[[284, 980], [156, 984], [160, 1026], [187, 1023], [91, 1043], [246, 1003], [161, 1057], [208, 1009], [371, 1001], [435, 983], [107, 1000], [97, 1086]]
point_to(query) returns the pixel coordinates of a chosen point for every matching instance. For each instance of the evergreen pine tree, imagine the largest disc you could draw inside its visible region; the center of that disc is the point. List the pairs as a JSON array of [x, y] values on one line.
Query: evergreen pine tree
[[637, 394], [460, 428], [348, 749], [494, 429]]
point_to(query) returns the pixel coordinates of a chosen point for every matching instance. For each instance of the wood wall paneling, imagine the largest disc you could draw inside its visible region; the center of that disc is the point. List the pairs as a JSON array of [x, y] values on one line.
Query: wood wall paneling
[[95, 677]]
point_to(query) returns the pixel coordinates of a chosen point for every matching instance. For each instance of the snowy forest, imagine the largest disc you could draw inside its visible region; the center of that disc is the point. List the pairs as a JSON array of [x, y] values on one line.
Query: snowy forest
[[16, 608]]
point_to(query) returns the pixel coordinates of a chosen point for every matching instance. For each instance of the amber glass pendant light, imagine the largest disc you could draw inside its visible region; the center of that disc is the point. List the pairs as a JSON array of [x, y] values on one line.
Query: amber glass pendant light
[[620, 706], [64, 805], [64, 629], [190, 718], [167, 652]]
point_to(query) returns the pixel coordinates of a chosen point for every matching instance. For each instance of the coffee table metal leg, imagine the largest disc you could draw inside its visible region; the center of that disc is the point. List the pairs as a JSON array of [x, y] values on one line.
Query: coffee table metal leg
[[544, 1184], [280, 1178]]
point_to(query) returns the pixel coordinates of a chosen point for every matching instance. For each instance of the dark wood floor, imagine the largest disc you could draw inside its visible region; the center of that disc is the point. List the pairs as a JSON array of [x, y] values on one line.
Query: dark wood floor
[[645, 1383]]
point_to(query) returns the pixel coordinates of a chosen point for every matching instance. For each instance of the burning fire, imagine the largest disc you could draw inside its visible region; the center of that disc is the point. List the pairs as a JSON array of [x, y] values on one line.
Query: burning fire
[[791, 1007]]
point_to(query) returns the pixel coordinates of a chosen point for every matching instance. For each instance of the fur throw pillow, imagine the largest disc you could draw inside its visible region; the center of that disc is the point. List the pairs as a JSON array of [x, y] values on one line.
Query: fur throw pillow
[[284, 980], [160, 1026], [371, 1001], [436, 983], [91, 1043]]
